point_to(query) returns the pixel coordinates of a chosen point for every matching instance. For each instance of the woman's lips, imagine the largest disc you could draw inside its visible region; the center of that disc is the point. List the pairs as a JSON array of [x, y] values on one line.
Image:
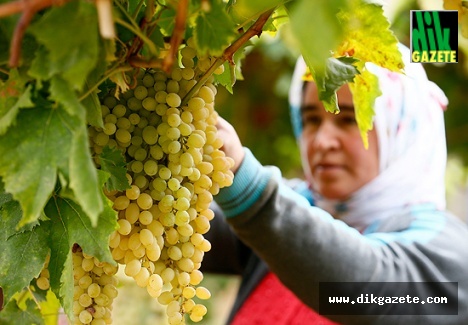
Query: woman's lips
[[328, 169]]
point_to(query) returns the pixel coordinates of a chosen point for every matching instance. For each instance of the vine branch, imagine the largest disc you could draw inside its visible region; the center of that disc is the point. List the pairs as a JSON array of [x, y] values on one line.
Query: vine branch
[[177, 35], [255, 30], [29, 9]]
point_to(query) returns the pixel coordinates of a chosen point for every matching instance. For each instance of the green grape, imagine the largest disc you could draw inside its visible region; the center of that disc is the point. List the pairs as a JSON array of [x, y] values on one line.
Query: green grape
[[149, 103], [188, 52], [85, 317], [110, 101], [133, 192], [132, 268], [161, 96], [150, 135], [123, 136], [134, 104], [196, 103], [43, 283], [173, 100], [203, 293], [148, 80], [109, 128], [206, 94], [145, 217], [140, 92], [172, 86], [146, 237], [195, 141]]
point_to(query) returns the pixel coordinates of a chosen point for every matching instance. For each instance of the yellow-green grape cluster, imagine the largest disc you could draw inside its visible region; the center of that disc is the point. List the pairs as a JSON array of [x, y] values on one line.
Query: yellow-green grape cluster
[[175, 166], [95, 288], [43, 280]]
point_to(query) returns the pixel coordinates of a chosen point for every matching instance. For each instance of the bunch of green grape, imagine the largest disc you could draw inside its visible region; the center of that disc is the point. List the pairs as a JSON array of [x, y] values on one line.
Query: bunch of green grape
[[174, 167], [43, 280], [95, 288]]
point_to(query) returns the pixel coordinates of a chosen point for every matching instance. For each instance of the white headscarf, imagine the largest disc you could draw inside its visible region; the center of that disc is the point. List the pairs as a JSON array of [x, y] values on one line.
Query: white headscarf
[[412, 148]]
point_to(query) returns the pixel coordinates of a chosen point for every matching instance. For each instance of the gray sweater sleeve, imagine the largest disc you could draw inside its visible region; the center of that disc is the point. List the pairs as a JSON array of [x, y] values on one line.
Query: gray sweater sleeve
[[305, 246]]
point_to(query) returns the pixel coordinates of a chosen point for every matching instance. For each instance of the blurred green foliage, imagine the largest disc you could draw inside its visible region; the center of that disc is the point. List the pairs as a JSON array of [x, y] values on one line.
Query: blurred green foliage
[[259, 110]]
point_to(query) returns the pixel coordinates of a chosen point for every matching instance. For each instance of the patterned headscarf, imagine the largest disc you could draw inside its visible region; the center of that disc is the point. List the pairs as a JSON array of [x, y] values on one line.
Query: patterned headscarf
[[412, 148]]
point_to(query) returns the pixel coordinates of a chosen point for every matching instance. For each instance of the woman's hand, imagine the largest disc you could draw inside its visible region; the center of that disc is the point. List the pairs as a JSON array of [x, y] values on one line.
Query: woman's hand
[[232, 146]]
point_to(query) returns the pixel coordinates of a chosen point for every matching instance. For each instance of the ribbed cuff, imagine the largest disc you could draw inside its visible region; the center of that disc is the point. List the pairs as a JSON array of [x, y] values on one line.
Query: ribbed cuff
[[249, 183]]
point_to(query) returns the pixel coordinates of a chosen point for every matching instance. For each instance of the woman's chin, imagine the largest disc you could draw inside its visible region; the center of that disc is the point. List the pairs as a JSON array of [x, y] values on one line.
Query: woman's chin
[[334, 194]]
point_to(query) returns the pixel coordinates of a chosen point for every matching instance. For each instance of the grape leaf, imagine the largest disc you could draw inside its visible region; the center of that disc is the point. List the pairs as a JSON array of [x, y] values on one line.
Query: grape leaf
[[93, 109], [44, 142], [69, 225], [65, 292], [227, 78], [13, 96], [83, 176], [113, 162], [166, 20], [232, 73], [365, 89], [317, 30], [23, 254], [50, 308], [12, 314], [214, 30], [368, 36], [61, 92], [338, 72], [40, 66], [70, 34]]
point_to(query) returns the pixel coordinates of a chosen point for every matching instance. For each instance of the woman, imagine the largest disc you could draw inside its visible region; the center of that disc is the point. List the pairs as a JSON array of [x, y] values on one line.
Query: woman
[[363, 215]]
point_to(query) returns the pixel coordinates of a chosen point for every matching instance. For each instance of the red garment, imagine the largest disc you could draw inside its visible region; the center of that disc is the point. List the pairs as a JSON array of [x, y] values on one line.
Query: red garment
[[271, 303]]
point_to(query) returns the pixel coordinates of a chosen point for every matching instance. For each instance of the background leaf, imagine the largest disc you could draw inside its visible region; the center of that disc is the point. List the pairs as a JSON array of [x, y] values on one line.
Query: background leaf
[[113, 162], [365, 89], [69, 33], [316, 30], [214, 30], [14, 95], [12, 314], [22, 254], [368, 36], [35, 150]]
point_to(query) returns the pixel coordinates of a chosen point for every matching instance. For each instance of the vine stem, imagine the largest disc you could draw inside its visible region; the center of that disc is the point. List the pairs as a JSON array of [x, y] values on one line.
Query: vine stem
[[139, 33], [104, 78], [255, 30], [177, 34], [29, 9]]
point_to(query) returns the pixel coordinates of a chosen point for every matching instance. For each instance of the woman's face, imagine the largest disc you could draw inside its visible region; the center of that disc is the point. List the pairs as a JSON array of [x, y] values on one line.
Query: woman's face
[[333, 155]]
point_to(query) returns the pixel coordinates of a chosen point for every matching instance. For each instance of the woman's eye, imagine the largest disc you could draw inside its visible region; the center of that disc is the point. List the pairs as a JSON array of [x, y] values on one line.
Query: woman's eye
[[348, 119], [311, 119]]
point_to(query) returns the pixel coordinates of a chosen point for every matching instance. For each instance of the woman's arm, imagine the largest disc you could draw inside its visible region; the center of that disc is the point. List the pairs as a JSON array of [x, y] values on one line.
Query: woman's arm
[[304, 245]]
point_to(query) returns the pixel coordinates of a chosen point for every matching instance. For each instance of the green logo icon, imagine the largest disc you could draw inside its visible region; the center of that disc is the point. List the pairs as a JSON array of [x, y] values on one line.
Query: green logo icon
[[434, 36]]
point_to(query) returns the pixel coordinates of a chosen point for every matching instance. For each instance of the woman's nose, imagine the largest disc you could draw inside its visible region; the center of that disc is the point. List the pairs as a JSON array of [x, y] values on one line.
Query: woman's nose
[[326, 136]]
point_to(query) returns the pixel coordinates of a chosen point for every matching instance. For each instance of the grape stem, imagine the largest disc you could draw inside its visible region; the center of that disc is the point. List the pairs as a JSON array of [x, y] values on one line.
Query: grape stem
[[137, 31], [29, 9], [255, 30], [104, 78], [177, 35]]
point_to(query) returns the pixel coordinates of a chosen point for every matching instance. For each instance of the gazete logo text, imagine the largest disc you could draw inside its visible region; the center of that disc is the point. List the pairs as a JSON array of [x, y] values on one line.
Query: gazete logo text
[[434, 36]]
